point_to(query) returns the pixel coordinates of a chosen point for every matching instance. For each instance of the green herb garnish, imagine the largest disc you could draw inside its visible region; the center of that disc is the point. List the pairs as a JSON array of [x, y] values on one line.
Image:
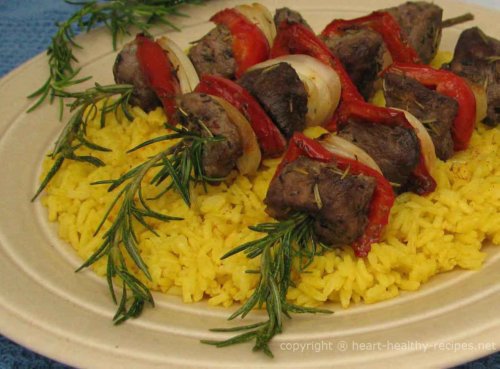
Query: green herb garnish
[[119, 16], [287, 240], [133, 208], [182, 164], [73, 136]]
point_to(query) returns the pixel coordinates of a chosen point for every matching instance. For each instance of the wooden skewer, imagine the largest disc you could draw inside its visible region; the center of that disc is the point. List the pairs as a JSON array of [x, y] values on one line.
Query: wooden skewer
[[457, 20]]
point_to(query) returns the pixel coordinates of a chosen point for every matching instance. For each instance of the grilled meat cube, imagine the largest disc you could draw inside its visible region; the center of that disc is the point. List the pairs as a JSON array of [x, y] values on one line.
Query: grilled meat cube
[[361, 51], [396, 149], [290, 16], [127, 70], [420, 22], [281, 93], [339, 203], [477, 58], [219, 158], [213, 54], [436, 112]]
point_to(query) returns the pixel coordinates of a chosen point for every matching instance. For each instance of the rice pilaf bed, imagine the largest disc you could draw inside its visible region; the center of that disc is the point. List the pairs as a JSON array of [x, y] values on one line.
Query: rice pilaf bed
[[425, 236]]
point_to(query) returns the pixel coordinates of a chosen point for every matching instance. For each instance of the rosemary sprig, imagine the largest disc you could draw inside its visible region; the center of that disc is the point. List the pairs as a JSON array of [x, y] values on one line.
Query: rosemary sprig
[[121, 235], [182, 164], [73, 136], [119, 16], [285, 241]]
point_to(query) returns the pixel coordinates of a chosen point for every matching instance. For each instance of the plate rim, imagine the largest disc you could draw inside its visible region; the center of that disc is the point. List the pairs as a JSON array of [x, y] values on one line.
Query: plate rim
[[53, 350]]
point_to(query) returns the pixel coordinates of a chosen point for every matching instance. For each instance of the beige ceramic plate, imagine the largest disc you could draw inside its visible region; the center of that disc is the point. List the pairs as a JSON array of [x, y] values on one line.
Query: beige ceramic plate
[[45, 306]]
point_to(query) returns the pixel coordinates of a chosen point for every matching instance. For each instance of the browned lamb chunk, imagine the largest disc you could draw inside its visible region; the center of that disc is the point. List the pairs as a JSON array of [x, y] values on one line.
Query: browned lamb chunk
[[198, 110], [338, 202], [436, 112], [477, 58]]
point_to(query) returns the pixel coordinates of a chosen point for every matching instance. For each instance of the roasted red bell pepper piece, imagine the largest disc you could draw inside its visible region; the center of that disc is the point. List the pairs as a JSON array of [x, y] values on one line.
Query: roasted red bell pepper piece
[[384, 24], [271, 141], [423, 182], [159, 72], [451, 85], [295, 38], [383, 196], [250, 45]]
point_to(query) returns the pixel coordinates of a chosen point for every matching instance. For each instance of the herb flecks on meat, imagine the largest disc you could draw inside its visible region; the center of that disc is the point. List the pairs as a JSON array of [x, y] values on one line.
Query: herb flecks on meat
[[201, 114], [436, 112], [361, 51], [420, 22], [213, 53], [477, 58], [281, 93], [395, 149], [128, 70], [336, 200]]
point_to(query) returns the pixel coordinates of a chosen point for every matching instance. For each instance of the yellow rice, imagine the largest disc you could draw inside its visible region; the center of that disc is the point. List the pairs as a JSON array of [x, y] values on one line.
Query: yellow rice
[[425, 236]]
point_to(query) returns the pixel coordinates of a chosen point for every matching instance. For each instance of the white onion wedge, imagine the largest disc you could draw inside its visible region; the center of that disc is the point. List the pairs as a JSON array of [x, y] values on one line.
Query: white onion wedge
[[261, 17], [426, 144], [321, 82], [249, 162], [481, 101], [188, 78], [341, 147]]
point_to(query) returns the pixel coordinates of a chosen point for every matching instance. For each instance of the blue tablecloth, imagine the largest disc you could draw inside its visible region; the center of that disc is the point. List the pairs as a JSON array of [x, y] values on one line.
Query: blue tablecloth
[[25, 30]]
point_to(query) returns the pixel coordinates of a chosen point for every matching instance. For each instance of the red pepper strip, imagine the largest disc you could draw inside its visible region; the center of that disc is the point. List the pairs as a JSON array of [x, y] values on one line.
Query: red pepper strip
[[384, 24], [383, 196], [271, 141], [250, 45], [295, 38], [423, 182], [297, 147], [451, 85], [159, 72]]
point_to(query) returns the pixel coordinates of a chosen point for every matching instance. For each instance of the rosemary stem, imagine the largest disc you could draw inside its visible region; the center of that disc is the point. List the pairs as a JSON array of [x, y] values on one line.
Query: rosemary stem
[[118, 16], [288, 240]]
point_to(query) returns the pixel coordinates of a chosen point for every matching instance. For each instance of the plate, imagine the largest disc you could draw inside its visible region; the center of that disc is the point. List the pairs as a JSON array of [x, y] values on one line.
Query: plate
[[48, 308]]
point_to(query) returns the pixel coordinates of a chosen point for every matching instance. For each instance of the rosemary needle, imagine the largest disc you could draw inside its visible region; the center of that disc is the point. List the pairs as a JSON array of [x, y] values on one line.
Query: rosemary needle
[[119, 16], [285, 241]]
